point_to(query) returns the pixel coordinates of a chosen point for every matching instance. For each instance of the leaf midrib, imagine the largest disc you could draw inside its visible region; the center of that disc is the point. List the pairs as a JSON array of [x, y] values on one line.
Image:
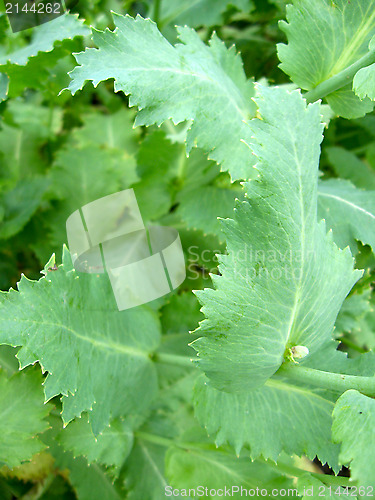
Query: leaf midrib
[[347, 202], [204, 78], [297, 295], [284, 386], [222, 466], [95, 342], [152, 464]]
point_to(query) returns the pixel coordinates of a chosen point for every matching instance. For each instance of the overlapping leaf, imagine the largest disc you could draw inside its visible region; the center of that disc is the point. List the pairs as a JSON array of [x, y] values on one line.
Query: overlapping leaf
[[216, 470], [364, 79], [46, 35], [188, 81], [22, 416], [96, 356], [325, 38], [283, 280], [201, 208], [280, 416], [353, 424], [348, 166], [28, 66], [307, 484], [17, 205], [348, 211], [198, 12], [276, 417], [354, 308], [113, 131], [23, 138], [4, 84], [88, 481], [110, 448], [145, 468]]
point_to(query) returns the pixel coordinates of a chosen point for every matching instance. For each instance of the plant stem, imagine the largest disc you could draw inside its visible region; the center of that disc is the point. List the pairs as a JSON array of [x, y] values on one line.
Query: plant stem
[[340, 80], [333, 381], [352, 345], [172, 359], [167, 442], [156, 11]]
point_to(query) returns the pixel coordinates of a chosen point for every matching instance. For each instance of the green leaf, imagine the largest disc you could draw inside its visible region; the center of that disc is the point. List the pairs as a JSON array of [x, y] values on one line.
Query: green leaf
[[283, 280], [201, 464], [91, 351], [364, 332], [181, 314], [156, 158], [280, 416], [88, 481], [187, 82], [346, 104], [195, 172], [80, 176], [19, 204], [4, 83], [145, 472], [8, 360], [354, 308], [364, 79], [30, 66], [276, 417], [191, 468], [114, 131], [198, 12], [23, 139], [353, 425], [308, 484], [348, 166], [45, 36], [110, 447], [324, 38], [364, 82], [348, 211], [22, 416], [144, 469], [201, 208]]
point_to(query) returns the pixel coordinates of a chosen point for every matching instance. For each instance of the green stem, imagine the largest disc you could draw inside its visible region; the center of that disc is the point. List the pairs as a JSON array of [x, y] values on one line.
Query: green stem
[[152, 438], [332, 381], [340, 80], [352, 345], [172, 359], [39, 489], [156, 11], [167, 442]]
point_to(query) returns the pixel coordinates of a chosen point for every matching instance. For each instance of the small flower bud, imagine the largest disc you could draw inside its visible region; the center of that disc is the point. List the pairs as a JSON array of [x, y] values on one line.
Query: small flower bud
[[299, 351]]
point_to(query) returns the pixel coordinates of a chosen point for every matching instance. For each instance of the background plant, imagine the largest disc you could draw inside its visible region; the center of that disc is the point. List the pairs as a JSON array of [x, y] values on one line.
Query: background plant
[[127, 412]]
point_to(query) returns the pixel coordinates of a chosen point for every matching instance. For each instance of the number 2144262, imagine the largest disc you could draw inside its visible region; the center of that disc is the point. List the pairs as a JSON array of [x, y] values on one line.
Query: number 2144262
[[35, 7]]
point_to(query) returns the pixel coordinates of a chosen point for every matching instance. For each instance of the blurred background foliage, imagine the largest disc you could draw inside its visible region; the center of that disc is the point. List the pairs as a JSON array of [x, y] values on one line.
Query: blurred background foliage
[[59, 152]]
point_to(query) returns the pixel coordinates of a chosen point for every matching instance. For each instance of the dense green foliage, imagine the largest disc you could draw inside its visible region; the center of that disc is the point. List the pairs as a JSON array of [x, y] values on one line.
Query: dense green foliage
[[249, 128]]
